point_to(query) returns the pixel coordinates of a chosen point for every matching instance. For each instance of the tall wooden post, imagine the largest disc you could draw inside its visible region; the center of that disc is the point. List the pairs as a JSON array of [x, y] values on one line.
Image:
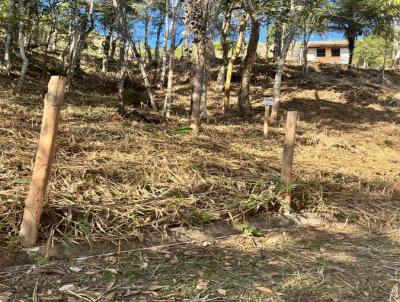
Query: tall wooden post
[[44, 157], [287, 158]]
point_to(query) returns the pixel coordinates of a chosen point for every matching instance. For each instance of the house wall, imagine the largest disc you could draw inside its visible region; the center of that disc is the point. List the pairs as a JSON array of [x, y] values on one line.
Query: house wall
[[343, 59], [312, 54], [344, 55]]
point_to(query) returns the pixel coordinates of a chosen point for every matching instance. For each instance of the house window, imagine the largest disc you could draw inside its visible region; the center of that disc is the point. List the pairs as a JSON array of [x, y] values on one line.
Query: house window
[[321, 52], [335, 52]]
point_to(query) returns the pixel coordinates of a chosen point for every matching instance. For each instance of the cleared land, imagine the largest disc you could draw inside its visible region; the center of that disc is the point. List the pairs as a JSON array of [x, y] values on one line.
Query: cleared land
[[119, 178]]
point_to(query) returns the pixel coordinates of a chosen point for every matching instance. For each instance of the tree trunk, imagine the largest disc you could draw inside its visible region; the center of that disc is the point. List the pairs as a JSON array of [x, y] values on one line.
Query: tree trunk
[[352, 42], [158, 40], [123, 34], [53, 41], [196, 19], [267, 28], [146, 81], [244, 92], [197, 89], [165, 46], [385, 54], [146, 36], [21, 42], [7, 45], [279, 73], [106, 52], [204, 89], [171, 63], [234, 56], [306, 39], [113, 43], [80, 39], [278, 40], [225, 50]]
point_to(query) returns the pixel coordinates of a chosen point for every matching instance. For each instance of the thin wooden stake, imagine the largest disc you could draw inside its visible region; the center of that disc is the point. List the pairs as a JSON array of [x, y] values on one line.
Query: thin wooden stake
[[266, 122], [44, 158], [287, 158]]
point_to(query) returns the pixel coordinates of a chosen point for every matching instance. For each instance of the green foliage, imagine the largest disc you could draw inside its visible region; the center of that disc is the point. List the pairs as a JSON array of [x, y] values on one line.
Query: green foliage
[[251, 231], [370, 52], [181, 131]]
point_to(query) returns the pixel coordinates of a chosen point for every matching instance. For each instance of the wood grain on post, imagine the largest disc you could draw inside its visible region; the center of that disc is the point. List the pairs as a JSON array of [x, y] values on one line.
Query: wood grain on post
[[288, 153], [44, 157]]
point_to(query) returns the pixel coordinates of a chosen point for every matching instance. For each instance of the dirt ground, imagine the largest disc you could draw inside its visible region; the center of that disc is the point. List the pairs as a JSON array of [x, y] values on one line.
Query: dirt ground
[[329, 262], [115, 179]]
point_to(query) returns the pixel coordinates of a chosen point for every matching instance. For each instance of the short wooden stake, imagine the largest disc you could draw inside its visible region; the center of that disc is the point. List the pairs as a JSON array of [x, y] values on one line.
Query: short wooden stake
[[44, 157], [287, 158], [266, 122]]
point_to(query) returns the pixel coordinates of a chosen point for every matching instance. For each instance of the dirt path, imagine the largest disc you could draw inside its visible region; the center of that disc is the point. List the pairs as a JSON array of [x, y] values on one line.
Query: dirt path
[[330, 262]]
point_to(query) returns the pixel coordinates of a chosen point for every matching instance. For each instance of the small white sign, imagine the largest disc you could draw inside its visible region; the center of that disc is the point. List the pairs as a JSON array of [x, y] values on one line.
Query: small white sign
[[269, 101]]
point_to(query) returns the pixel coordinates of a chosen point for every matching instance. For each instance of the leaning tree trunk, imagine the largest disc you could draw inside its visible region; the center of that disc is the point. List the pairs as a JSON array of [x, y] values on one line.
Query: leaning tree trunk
[[21, 42], [145, 77], [171, 63], [244, 105], [279, 73], [234, 56], [7, 45], [225, 50]]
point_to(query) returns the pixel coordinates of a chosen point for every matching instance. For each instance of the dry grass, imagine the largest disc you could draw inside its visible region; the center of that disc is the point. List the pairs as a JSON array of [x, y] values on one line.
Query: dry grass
[[114, 178]]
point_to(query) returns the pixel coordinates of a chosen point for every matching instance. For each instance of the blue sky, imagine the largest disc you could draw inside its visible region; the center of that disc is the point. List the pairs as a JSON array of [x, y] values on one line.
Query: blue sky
[[139, 33]]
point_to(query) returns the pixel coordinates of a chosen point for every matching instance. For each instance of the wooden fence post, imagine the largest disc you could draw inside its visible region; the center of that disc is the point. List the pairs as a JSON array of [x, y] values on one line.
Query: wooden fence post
[[44, 157], [287, 158]]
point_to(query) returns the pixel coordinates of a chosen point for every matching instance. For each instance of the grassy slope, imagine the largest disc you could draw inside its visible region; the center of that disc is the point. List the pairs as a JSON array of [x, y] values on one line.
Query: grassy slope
[[113, 178]]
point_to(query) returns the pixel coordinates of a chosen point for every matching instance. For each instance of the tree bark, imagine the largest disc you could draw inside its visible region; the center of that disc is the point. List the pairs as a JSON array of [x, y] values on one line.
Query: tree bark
[[244, 105], [196, 19], [145, 77], [279, 72], [21, 42], [171, 63], [225, 49], [120, 10], [352, 44], [165, 46], [278, 40], [146, 36], [234, 56], [197, 88], [106, 52], [113, 46], [306, 39], [7, 45], [158, 40], [80, 35], [385, 54]]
